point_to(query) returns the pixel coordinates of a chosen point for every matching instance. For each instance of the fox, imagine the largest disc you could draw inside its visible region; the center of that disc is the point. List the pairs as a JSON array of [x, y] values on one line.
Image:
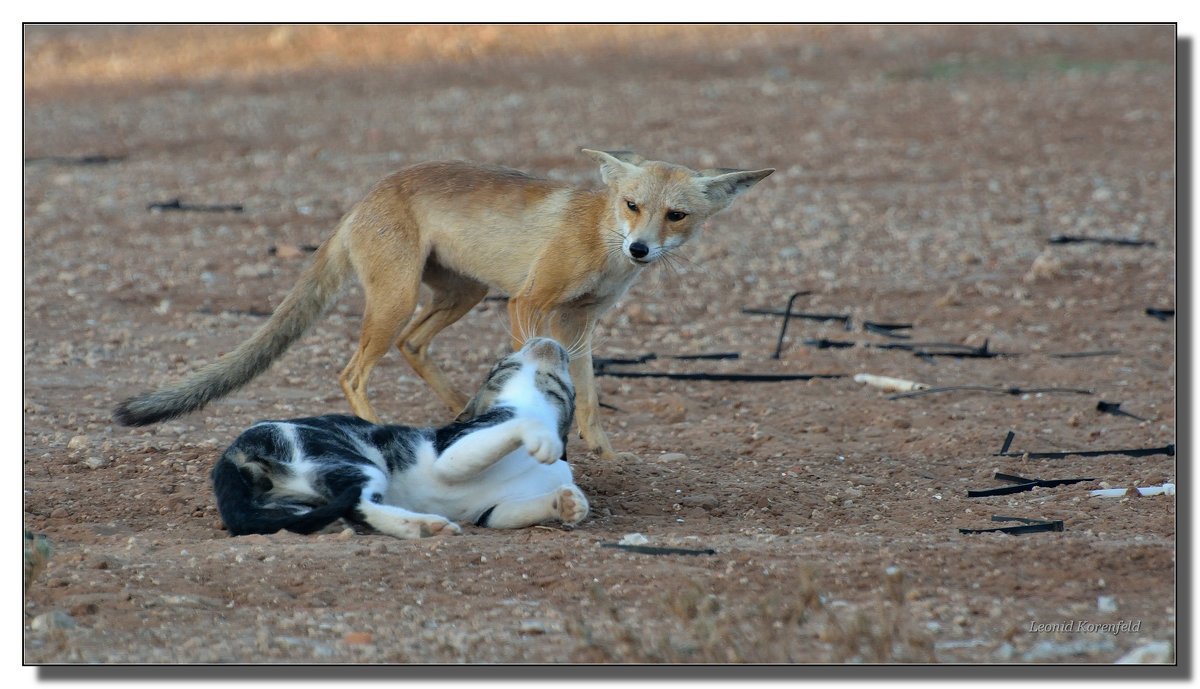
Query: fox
[[563, 255]]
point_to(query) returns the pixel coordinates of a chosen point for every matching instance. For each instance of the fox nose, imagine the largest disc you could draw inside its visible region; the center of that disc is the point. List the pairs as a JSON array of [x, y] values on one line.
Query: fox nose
[[638, 250]]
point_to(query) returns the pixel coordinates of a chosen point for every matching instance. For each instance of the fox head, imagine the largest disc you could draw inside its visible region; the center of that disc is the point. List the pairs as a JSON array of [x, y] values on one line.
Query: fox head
[[659, 206]]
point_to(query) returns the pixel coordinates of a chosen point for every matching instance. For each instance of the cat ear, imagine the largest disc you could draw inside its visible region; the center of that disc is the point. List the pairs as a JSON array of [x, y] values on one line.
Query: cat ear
[[723, 186], [481, 402], [486, 396]]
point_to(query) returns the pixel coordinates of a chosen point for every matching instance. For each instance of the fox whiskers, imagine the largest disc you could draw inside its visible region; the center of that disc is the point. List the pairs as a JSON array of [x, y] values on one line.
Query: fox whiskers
[[508, 326], [524, 330], [580, 346], [614, 243], [521, 330]]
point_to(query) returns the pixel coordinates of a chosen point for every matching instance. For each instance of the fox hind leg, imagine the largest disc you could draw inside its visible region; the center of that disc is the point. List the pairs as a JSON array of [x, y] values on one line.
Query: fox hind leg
[[453, 297], [389, 305]]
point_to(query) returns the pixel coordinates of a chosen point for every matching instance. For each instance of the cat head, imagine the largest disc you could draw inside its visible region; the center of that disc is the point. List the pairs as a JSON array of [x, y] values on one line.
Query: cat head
[[536, 374]]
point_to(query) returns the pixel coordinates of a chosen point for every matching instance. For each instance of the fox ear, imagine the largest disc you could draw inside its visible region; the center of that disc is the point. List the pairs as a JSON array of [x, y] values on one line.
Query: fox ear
[[723, 186], [614, 164], [627, 157]]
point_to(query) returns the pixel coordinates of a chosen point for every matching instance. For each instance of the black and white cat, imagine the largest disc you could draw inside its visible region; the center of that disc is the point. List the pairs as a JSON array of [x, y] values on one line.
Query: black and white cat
[[502, 466]]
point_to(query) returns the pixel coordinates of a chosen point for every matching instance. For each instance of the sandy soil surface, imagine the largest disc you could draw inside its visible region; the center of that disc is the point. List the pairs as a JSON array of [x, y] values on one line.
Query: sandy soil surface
[[924, 175]]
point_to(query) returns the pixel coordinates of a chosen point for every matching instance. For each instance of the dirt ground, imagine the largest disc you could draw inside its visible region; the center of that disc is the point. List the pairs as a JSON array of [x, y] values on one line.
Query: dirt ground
[[924, 174]]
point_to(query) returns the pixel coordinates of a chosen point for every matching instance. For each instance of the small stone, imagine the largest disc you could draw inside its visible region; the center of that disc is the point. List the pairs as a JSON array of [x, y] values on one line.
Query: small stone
[[531, 627], [633, 539], [79, 442], [52, 620], [354, 638], [672, 457], [288, 251], [950, 298], [1155, 652], [253, 270], [1045, 266], [670, 408], [639, 313], [1060, 651], [703, 501], [84, 609], [1106, 604]]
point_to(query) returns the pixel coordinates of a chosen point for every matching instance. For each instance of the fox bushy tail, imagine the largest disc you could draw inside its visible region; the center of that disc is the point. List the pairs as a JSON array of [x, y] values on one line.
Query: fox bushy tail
[[301, 308]]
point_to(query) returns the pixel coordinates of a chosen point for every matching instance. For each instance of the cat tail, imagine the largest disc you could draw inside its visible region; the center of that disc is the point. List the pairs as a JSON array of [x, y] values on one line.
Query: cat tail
[[242, 514], [308, 301]]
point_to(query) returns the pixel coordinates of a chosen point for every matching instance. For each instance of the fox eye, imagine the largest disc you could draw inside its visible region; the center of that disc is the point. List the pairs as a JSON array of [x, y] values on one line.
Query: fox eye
[[676, 216], [632, 206]]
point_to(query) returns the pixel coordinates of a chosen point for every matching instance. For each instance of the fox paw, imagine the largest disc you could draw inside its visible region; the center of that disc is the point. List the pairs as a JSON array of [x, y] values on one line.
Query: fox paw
[[609, 453], [572, 505], [599, 444]]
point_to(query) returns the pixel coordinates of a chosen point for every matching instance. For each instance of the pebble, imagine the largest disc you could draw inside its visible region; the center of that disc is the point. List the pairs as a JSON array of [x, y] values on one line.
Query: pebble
[[702, 500], [1051, 651], [52, 620], [672, 457], [78, 442], [253, 270], [531, 627], [288, 251], [1155, 652]]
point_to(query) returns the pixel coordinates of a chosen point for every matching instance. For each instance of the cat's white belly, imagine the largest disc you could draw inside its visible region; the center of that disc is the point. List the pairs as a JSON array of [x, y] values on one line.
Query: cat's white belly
[[516, 476]]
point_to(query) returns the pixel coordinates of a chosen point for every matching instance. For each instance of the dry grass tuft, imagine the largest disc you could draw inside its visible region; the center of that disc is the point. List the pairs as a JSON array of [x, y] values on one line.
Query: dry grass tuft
[[788, 626], [37, 555]]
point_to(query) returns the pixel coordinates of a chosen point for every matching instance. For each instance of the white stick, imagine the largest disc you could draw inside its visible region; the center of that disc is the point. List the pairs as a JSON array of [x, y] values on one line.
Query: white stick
[[1164, 489], [889, 384]]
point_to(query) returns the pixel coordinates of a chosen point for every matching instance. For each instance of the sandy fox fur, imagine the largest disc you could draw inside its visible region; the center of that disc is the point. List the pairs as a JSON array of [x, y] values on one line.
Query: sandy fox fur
[[563, 256]]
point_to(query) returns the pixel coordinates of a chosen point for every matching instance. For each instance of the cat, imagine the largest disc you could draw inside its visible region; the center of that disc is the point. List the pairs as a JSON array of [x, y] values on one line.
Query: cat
[[504, 466]]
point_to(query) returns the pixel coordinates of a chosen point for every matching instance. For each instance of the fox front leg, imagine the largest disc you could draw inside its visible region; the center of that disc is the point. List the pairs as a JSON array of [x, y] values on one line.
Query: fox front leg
[[574, 330]]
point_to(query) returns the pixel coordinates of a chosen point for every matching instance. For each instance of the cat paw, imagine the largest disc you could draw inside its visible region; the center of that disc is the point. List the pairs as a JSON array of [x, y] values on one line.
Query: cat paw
[[572, 505], [439, 527], [539, 441]]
